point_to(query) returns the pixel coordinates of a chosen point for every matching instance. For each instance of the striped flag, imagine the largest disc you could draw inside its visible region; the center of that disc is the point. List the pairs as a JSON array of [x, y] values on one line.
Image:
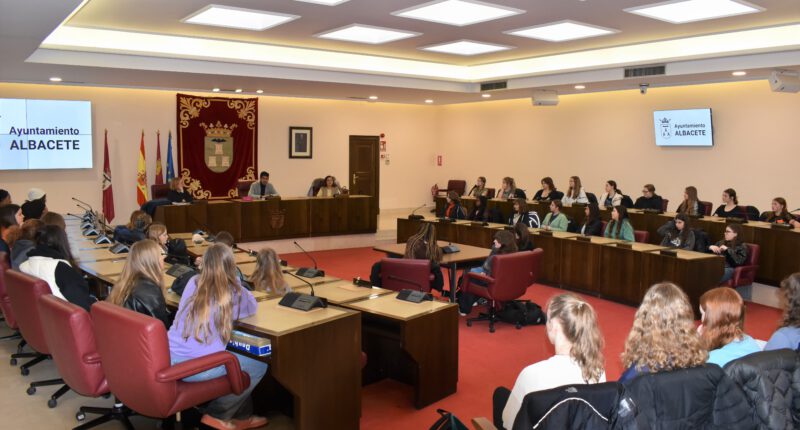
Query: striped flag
[[170, 167], [108, 192], [141, 176], [159, 172]]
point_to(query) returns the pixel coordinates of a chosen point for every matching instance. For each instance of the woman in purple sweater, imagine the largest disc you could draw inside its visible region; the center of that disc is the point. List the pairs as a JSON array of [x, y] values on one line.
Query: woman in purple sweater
[[210, 304]]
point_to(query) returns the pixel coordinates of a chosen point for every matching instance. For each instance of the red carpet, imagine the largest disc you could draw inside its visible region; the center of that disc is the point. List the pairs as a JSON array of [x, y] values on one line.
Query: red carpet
[[487, 360]]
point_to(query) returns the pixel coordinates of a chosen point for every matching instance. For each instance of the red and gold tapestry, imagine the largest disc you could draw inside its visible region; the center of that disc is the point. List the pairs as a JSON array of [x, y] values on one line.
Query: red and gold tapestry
[[217, 144]]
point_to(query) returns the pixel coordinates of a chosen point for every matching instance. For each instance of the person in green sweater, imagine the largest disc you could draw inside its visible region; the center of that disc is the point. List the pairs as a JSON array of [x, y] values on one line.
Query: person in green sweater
[[620, 226], [555, 220]]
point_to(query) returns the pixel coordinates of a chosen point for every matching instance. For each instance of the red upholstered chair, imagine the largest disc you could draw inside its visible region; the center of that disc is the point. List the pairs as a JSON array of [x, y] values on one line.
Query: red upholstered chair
[[490, 193], [244, 188], [25, 291], [457, 185], [512, 275], [746, 274], [5, 305], [603, 230], [706, 207], [404, 274], [68, 331], [641, 236], [159, 191], [134, 353], [664, 204]]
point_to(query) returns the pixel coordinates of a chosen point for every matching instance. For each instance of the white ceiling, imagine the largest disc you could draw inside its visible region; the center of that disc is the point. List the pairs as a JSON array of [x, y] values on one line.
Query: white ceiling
[[397, 71]]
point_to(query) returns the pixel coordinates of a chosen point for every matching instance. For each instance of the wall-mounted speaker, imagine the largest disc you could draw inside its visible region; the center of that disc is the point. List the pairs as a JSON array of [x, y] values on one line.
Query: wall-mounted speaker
[[784, 82]]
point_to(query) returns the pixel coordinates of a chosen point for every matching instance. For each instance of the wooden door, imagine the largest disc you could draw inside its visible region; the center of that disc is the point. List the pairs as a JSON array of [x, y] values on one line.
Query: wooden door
[[364, 168]]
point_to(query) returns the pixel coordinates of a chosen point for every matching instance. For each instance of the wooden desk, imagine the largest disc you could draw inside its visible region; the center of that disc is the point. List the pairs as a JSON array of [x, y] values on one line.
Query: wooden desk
[[550, 242], [695, 272], [102, 269], [620, 271], [415, 343], [580, 263], [97, 254], [342, 292], [183, 217]]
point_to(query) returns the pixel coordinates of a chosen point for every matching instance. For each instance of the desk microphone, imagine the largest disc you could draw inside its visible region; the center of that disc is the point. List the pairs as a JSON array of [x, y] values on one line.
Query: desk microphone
[[249, 252], [301, 301], [83, 205], [417, 217], [305, 271], [413, 296]]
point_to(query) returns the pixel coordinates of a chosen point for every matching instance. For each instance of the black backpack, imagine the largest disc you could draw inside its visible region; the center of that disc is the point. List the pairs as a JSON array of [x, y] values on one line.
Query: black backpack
[[448, 421], [522, 312]]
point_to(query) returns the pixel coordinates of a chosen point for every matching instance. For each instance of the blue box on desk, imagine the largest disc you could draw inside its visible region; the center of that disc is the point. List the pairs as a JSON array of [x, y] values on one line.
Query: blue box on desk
[[250, 344]]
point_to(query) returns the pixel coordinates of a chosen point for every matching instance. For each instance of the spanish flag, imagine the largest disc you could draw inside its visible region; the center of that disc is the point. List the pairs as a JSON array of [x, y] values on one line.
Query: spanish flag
[[141, 176]]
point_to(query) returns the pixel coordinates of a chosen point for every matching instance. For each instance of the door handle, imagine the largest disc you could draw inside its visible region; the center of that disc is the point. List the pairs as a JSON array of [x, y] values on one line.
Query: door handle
[[355, 178]]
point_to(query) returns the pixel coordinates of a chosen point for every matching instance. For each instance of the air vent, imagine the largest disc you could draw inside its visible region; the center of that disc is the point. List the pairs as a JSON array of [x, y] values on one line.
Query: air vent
[[633, 72], [357, 98], [491, 86]]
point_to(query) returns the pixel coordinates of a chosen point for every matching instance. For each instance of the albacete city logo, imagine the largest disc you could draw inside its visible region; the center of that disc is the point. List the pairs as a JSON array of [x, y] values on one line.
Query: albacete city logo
[[218, 145]]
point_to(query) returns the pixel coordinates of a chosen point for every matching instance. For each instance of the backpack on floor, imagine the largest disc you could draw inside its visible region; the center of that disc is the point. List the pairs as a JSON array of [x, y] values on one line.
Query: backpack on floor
[[447, 421], [522, 312]]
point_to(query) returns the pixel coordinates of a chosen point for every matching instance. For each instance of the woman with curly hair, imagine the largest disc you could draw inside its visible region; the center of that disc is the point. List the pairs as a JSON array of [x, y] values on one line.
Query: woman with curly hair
[[722, 324], [788, 335], [573, 331], [663, 336]]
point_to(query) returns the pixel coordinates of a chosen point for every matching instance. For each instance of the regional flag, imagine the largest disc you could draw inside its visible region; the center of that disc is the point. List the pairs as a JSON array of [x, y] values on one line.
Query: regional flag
[[159, 173], [108, 192], [141, 176], [170, 167]]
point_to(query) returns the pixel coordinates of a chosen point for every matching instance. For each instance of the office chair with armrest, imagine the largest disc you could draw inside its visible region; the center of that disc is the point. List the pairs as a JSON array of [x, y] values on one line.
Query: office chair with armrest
[[8, 312], [706, 207], [243, 187], [591, 197], [664, 204], [745, 274], [404, 274], [512, 274], [25, 292], [68, 332], [490, 193], [159, 191], [457, 185], [134, 354], [641, 236]]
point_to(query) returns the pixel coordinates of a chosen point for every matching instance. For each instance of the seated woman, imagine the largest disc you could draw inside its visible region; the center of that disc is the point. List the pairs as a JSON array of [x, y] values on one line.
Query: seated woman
[[176, 193], [52, 261], [522, 215], [620, 226], [140, 286], [210, 304], [479, 211], [174, 250], [10, 220], [504, 243], [779, 213], [732, 248], [329, 188], [691, 203], [663, 336], [421, 246], [25, 242], [135, 230], [548, 191], [612, 196], [454, 210], [555, 220], [509, 190], [573, 331], [788, 334], [575, 193], [649, 199], [479, 189], [722, 326], [268, 275], [592, 224], [677, 233], [730, 207], [523, 236]]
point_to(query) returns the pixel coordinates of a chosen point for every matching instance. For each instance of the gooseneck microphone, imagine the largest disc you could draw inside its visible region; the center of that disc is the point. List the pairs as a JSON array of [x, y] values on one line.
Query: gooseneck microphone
[[250, 252], [305, 271], [417, 217], [301, 301], [413, 296], [83, 205]]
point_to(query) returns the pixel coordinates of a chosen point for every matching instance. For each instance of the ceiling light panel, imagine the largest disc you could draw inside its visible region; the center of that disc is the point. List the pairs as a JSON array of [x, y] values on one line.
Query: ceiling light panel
[[367, 34], [234, 17], [683, 11], [562, 31], [325, 2], [457, 12], [465, 47]]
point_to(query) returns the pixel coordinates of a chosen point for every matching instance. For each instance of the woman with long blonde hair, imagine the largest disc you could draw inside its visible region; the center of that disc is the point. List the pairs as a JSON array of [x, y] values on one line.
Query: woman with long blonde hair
[[210, 304], [140, 286], [722, 326], [268, 276], [572, 329], [663, 336]]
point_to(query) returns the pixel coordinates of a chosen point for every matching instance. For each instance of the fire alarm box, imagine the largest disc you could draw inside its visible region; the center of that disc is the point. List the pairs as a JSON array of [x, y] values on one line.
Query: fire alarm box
[[438, 160]]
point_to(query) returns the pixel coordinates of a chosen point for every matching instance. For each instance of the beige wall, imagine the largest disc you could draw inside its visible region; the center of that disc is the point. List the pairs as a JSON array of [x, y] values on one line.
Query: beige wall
[[605, 136], [410, 132]]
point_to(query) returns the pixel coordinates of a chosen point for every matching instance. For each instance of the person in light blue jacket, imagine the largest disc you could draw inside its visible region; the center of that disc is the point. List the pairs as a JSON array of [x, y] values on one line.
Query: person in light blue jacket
[[788, 335], [722, 326]]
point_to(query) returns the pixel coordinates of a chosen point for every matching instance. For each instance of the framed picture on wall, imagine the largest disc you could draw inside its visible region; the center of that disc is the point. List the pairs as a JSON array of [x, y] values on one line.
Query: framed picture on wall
[[300, 142]]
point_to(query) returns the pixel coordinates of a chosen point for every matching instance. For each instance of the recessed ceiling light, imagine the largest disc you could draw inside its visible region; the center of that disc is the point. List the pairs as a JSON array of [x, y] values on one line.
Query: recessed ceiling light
[[366, 34], [429, 101], [260, 91], [373, 97], [457, 12], [682, 11], [216, 90], [325, 2], [465, 47], [561, 31], [235, 17], [580, 87], [55, 79], [238, 90], [486, 96], [739, 73]]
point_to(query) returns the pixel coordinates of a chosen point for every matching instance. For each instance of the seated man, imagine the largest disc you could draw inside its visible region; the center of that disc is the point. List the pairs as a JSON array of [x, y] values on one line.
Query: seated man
[[36, 204], [262, 187]]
